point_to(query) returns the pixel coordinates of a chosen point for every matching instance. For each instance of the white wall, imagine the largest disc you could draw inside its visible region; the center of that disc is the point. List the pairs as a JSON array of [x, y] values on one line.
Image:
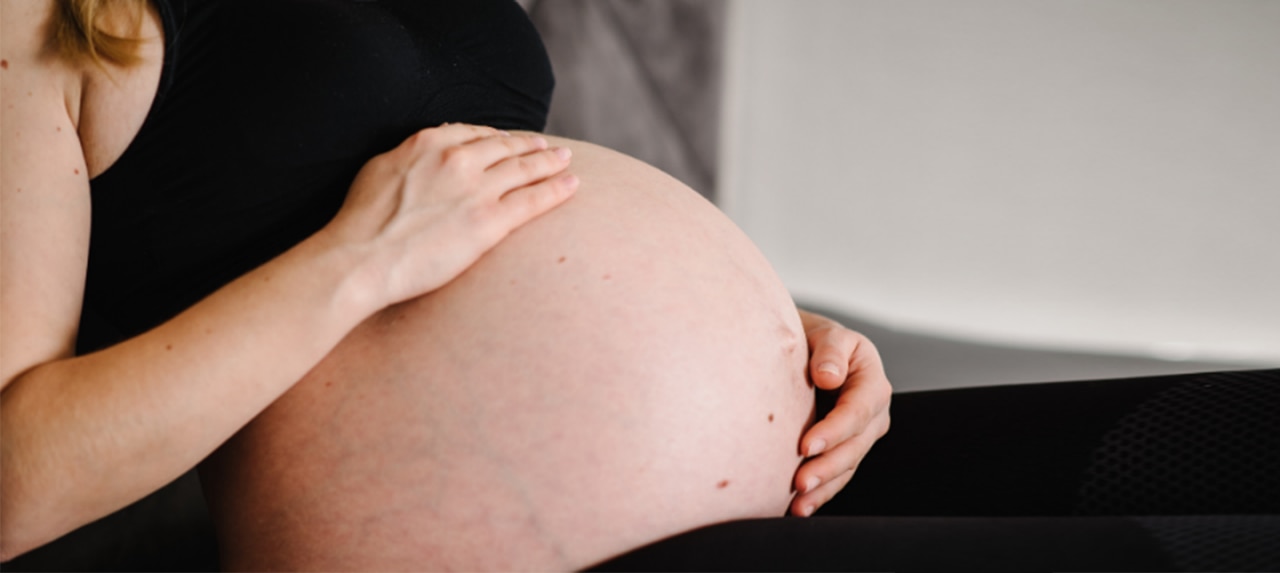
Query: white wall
[[1097, 175]]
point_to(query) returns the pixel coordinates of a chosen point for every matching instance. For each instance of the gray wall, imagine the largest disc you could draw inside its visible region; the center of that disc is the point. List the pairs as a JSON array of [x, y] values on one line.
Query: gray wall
[[1099, 175], [639, 76]]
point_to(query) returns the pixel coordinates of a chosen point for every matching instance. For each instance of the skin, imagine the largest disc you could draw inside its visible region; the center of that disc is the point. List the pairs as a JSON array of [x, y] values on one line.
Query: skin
[[622, 369], [84, 436], [846, 363]]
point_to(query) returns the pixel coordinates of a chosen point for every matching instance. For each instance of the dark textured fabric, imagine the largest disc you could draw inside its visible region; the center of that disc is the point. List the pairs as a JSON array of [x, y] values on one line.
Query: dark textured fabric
[[1171, 445], [1210, 444], [266, 111], [986, 544], [1217, 542]]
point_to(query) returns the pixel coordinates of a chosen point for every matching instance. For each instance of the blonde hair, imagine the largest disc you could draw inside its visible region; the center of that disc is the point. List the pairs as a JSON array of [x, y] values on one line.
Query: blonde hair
[[91, 29]]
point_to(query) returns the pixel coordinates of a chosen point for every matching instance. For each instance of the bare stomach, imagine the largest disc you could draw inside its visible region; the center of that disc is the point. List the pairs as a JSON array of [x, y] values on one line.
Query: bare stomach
[[623, 369]]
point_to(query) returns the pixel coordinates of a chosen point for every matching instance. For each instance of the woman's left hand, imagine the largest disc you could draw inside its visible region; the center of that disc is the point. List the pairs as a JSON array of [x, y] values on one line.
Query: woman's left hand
[[845, 361]]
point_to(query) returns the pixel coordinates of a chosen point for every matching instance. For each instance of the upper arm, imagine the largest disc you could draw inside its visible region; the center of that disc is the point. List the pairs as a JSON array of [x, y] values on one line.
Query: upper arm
[[44, 196]]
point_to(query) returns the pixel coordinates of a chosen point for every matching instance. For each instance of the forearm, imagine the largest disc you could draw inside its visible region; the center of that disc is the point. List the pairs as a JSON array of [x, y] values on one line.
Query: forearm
[[88, 435]]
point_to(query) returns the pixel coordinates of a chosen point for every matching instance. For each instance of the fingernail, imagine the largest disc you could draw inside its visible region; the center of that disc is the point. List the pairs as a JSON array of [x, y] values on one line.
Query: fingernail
[[540, 142], [564, 153], [816, 447], [829, 368], [810, 483], [808, 510], [504, 132], [570, 180]]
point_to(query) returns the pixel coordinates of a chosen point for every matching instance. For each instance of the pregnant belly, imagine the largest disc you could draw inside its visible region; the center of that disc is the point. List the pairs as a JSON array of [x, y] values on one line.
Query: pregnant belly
[[623, 369]]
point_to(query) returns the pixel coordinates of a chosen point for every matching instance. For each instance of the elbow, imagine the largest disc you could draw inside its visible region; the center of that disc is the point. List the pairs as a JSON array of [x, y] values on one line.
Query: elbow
[[7, 553], [17, 534], [24, 527], [13, 542], [11, 549], [32, 503], [27, 521]]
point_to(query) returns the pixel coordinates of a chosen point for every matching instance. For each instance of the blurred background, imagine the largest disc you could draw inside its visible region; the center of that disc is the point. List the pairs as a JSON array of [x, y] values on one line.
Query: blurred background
[[995, 191]]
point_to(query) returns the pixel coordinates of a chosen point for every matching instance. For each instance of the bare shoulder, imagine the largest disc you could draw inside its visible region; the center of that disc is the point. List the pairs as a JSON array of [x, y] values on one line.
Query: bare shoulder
[[44, 193], [39, 100], [39, 105], [25, 24], [37, 88], [29, 69], [102, 104]]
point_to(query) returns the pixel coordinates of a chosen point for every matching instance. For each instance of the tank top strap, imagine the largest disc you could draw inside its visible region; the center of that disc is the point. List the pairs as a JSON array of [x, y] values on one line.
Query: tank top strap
[[173, 14]]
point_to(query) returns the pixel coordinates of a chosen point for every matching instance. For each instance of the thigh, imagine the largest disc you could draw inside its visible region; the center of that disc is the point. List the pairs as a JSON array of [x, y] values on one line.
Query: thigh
[[1204, 443], [915, 544]]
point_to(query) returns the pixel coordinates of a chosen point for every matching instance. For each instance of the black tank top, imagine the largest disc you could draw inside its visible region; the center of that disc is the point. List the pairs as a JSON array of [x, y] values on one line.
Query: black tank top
[[266, 110]]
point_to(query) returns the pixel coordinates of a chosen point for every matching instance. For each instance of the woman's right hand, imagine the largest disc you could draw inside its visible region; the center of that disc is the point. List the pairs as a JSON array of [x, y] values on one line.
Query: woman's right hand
[[425, 211]]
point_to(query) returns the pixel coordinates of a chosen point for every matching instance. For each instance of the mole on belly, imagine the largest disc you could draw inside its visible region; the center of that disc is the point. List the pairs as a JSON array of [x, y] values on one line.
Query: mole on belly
[[723, 484]]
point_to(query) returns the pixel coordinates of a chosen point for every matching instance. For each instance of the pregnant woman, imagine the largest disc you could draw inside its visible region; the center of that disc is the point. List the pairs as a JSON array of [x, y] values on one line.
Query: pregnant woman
[[220, 218]]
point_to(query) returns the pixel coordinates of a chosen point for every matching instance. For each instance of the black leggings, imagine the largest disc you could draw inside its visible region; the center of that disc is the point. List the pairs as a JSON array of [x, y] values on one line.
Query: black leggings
[[1147, 474]]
